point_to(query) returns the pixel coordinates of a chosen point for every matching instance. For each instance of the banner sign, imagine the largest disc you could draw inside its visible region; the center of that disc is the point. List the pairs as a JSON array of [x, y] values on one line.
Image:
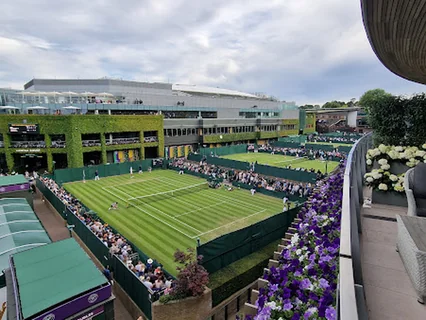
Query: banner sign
[[16, 187], [77, 305]]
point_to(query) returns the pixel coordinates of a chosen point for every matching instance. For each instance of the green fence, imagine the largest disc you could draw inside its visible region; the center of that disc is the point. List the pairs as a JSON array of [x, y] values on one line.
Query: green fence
[[233, 246], [285, 144], [104, 170], [223, 151], [137, 291], [296, 139], [275, 194], [289, 174]]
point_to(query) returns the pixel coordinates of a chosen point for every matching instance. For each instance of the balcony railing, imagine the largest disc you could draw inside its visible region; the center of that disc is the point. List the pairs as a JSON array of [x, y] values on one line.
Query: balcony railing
[[351, 296], [122, 141], [91, 143], [58, 144], [27, 144], [150, 139]]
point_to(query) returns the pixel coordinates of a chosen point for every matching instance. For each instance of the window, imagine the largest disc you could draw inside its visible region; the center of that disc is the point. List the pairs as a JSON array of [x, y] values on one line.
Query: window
[[179, 132]]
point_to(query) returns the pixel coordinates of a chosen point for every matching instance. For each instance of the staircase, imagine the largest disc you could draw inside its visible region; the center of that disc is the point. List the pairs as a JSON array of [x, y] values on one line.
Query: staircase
[[249, 307]]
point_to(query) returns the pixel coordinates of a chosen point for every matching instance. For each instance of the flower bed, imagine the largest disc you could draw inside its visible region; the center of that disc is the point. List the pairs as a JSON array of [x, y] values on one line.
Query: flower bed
[[304, 284]]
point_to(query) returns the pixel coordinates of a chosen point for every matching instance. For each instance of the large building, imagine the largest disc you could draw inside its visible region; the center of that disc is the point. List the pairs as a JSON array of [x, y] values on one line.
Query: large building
[[70, 123], [174, 100]]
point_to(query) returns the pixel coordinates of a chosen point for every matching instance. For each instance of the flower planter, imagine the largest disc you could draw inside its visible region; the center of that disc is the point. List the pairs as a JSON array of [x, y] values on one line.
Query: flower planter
[[391, 198], [398, 167]]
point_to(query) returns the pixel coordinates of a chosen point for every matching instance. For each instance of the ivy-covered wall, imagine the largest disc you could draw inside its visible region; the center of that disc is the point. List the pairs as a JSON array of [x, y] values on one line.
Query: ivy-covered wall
[[73, 126], [288, 132], [310, 123]]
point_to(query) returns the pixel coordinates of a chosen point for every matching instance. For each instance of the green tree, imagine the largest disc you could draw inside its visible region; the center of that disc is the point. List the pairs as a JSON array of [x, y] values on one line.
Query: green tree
[[307, 106], [372, 97], [334, 104]]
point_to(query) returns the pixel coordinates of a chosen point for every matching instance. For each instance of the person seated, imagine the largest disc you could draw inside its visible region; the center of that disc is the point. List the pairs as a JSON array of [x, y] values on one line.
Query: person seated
[[114, 206]]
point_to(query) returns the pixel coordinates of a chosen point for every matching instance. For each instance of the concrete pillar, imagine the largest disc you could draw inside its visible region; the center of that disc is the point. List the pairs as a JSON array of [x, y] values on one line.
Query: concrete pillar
[[351, 118]]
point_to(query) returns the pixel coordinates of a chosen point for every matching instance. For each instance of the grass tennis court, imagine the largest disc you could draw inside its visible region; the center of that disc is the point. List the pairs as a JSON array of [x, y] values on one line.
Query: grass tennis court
[[278, 160], [159, 222]]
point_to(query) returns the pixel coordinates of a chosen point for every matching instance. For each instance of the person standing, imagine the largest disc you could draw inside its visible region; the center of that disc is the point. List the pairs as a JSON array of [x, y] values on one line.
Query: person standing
[[131, 172], [96, 175], [140, 169]]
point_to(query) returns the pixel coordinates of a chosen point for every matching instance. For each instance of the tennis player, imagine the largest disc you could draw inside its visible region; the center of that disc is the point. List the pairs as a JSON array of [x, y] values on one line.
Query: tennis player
[[114, 206], [253, 191], [131, 172], [96, 175]]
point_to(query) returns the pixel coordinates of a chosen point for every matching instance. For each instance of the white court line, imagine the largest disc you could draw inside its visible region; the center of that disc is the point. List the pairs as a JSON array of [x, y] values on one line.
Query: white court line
[[201, 208], [232, 200], [133, 182], [198, 235], [143, 203], [167, 224]]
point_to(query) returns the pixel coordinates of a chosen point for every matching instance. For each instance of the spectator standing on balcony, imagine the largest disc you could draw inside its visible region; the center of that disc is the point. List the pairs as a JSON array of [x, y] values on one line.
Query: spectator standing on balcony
[[96, 175]]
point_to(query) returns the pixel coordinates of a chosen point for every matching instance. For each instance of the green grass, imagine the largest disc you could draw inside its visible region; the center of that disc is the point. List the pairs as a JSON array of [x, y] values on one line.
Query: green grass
[[278, 160], [160, 227]]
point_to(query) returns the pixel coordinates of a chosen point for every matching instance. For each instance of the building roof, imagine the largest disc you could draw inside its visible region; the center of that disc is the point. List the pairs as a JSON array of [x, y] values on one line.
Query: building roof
[[52, 274], [211, 90], [12, 180], [397, 33], [19, 229]]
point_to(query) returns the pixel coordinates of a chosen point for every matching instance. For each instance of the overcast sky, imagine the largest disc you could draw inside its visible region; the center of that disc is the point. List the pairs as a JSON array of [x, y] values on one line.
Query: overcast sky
[[308, 51]]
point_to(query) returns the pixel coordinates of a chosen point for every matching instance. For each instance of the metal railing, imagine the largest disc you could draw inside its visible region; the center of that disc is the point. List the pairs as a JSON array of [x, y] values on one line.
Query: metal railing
[[122, 141], [27, 144], [351, 297]]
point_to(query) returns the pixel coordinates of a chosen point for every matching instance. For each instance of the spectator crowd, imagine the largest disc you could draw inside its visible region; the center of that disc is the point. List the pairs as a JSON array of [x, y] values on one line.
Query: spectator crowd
[[303, 152], [248, 177], [347, 138], [152, 277]]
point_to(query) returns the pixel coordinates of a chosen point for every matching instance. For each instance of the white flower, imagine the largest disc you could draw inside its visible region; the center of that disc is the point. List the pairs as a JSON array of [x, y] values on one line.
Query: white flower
[[298, 252], [382, 148], [382, 161], [295, 238], [393, 177], [393, 154], [369, 162], [424, 146], [399, 148], [369, 179], [383, 187], [385, 167], [420, 153]]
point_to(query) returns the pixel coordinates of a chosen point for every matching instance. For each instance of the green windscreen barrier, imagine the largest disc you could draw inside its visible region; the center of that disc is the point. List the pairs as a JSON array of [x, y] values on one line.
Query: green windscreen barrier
[[104, 170], [223, 151], [236, 245]]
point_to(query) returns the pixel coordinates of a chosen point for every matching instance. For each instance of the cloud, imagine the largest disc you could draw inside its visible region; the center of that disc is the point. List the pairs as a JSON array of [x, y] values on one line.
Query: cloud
[[307, 51]]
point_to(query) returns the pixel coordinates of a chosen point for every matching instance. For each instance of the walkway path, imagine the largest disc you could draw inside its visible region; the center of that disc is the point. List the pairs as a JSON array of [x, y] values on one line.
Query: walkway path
[[388, 289], [57, 231]]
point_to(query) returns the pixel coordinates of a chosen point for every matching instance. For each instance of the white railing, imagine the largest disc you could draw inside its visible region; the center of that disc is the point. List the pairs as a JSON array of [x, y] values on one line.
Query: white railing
[[352, 306]]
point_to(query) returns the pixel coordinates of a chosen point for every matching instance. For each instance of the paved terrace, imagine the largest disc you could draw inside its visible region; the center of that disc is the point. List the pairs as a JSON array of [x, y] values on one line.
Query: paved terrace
[[388, 289]]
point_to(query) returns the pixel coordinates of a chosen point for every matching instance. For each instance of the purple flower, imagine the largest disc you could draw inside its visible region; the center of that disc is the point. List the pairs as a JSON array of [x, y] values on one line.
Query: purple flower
[[305, 284], [297, 273], [287, 305], [323, 283], [330, 313]]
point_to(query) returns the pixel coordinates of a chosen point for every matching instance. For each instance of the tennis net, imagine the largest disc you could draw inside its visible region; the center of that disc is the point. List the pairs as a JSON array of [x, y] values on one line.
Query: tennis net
[[134, 201], [293, 161]]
